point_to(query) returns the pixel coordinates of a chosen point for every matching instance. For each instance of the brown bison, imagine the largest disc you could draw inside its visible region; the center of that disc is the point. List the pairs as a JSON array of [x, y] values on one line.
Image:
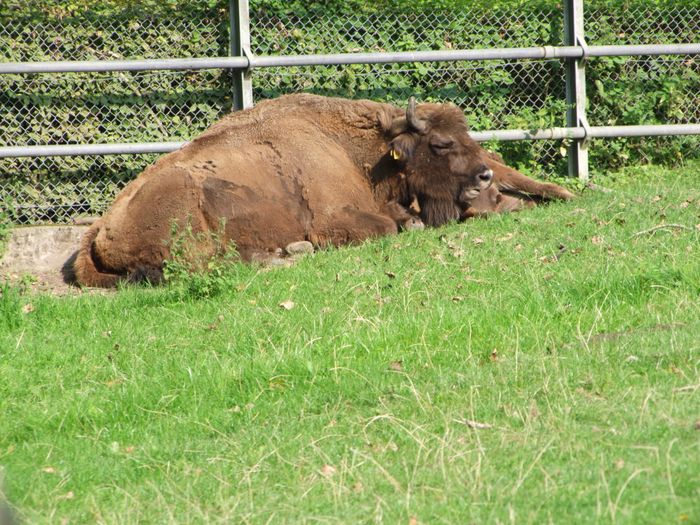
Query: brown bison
[[300, 167]]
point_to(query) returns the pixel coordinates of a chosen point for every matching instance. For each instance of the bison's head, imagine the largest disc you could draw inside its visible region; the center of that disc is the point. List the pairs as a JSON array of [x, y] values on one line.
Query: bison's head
[[442, 163]]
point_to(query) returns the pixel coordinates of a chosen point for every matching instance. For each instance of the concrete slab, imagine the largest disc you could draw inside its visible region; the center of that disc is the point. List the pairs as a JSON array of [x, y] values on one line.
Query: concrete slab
[[39, 249], [41, 252]]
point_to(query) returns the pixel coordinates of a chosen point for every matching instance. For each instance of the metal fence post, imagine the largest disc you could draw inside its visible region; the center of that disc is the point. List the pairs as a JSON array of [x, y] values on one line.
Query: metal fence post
[[239, 27], [576, 88]]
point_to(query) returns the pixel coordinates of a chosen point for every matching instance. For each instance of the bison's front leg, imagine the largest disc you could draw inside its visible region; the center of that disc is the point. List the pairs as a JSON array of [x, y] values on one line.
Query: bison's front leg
[[404, 219], [508, 179]]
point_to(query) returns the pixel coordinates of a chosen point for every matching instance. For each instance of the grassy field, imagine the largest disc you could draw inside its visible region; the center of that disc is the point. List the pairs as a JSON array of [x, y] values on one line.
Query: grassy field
[[542, 367]]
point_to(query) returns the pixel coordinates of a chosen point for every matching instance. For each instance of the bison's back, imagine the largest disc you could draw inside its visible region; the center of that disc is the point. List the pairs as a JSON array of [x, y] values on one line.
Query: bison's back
[[270, 185]]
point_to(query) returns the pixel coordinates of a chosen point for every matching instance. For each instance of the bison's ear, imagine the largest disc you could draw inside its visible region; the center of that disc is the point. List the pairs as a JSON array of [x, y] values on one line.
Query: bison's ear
[[392, 122], [402, 147]]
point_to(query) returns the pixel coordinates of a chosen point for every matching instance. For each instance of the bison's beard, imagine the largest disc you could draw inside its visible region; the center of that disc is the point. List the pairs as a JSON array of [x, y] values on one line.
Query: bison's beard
[[436, 212]]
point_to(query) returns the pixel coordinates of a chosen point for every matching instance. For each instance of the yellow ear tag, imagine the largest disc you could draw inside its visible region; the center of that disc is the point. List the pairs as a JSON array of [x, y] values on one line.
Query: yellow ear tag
[[395, 154]]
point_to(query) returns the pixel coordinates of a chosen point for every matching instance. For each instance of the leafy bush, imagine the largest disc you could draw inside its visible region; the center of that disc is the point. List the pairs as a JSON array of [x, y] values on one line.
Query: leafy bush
[[192, 272]]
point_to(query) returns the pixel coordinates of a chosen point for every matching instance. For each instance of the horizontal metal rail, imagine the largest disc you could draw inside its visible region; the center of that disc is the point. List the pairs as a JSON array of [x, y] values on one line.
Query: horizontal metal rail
[[92, 66], [526, 134], [544, 52], [480, 136], [594, 132], [69, 150], [643, 50]]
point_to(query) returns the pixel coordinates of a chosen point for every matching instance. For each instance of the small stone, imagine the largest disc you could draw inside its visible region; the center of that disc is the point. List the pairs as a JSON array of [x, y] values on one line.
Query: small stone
[[328, 470], [299, 248], [277, 262], [396, 366], [476, 424]]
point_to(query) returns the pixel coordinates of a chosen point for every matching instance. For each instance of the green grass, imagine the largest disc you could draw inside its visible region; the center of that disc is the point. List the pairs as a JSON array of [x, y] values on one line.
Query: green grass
[[573, 338]]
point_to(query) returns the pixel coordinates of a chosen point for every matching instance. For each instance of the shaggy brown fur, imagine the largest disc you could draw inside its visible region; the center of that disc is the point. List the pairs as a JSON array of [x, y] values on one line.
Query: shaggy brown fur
[[328, 170]]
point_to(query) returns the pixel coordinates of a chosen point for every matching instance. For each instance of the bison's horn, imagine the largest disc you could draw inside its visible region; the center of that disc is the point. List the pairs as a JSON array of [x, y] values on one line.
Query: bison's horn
[[413, 120]]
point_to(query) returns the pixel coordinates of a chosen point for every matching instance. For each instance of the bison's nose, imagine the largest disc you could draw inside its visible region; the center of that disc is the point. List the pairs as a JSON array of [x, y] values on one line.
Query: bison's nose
[[486, 176]]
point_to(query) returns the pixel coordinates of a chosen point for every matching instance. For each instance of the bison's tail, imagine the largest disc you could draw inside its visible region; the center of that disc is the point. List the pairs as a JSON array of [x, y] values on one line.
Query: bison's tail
[[85, 271]]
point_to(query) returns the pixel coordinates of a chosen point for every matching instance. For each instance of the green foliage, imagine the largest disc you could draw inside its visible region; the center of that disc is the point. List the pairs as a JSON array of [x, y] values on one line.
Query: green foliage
[[303, 8], [61, 9], [41, 9], [102, 108], [201, 264]]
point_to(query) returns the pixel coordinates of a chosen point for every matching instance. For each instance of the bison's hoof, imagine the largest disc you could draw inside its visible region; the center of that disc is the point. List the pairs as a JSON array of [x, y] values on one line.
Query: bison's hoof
[[299, 248], [414, 223]]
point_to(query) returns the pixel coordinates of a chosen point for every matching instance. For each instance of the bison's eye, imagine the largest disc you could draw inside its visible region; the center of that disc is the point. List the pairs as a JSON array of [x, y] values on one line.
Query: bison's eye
[[441, 145]]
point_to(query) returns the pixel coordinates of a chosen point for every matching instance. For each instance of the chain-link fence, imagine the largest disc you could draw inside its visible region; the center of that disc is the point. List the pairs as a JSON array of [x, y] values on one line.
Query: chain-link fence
[[493, 94], [643, 90], [84, 108], [159, 106]]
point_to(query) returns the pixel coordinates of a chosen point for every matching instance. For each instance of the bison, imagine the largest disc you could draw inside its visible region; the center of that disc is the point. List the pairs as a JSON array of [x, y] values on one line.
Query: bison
[[301, 167]]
